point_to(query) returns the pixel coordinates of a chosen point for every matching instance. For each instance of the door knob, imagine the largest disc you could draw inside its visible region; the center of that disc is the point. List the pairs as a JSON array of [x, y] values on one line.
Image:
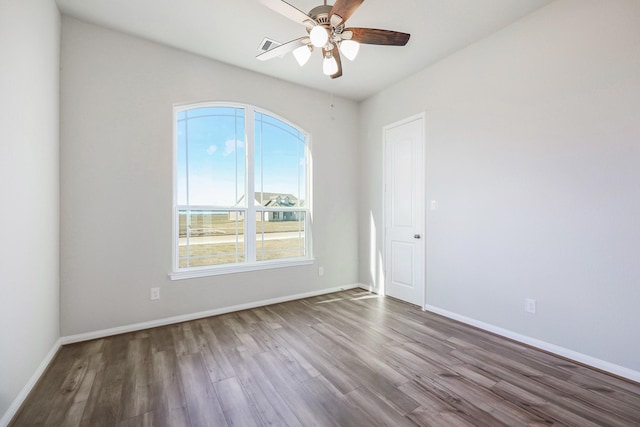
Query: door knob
[[416, 236]]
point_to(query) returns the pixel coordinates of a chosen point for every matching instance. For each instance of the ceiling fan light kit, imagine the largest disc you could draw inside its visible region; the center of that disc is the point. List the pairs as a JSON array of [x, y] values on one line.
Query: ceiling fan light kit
[[319, 36], [349, 48], [302, 54], [329, 65], [325, 25]]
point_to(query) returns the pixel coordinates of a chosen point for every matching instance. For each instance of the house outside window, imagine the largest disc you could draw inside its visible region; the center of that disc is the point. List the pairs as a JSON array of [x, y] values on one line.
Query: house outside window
[[238, 171]]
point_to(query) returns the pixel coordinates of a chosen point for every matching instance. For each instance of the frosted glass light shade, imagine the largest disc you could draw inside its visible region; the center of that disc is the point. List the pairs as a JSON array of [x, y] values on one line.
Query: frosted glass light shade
[[329, 66], [349, 48], [302, 54], [319, 36]]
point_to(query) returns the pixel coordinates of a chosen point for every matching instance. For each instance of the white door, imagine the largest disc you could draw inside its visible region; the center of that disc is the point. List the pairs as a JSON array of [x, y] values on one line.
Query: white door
[[404, 211]]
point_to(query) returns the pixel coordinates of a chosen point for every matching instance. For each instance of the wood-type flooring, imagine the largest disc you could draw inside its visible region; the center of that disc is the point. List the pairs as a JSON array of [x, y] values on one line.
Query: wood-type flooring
[[344, 359]]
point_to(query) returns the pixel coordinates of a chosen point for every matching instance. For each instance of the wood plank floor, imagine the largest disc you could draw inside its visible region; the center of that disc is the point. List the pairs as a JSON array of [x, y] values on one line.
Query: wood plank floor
[[345, 359]]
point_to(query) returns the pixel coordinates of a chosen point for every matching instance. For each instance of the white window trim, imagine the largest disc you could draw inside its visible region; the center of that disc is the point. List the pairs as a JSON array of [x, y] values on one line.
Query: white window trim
[[250, 244], [236, 268]]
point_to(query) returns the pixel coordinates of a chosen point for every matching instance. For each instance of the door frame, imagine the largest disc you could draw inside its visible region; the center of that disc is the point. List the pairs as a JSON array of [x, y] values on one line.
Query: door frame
[[423, 163]]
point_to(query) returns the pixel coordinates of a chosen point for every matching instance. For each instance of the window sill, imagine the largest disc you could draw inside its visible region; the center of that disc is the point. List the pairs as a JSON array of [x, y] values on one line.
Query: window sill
[[232, 269]]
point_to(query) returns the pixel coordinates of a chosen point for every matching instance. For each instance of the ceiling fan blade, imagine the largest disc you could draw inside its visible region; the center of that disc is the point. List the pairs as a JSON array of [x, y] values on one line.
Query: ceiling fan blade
[[343, 9], [376, 36], [283, 48], [289, 11], [336, 55]]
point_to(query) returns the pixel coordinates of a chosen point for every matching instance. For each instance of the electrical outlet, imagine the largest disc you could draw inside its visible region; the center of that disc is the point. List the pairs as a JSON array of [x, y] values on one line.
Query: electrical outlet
[[530, 305], [320, 271], [155, 293]]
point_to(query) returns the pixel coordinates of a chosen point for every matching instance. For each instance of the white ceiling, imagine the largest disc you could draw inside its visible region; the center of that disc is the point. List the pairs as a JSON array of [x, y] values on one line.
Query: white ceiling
[[231, 31]]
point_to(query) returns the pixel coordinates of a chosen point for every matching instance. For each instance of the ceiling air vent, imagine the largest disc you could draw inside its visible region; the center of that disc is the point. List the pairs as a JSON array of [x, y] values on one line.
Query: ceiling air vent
[[267, 44]]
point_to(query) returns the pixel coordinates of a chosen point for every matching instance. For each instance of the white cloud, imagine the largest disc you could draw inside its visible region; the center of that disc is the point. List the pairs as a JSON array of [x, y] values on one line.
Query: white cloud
[[231, 144], [212, 149]]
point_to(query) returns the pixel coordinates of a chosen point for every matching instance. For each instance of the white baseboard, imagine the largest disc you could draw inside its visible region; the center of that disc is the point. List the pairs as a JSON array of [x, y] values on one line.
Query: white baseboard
[[369, 288], [551, 348], [19, 400], [193, 316]]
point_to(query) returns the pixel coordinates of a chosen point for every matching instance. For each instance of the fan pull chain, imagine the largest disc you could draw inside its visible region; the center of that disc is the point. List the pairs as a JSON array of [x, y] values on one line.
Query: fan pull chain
[[331, 106]]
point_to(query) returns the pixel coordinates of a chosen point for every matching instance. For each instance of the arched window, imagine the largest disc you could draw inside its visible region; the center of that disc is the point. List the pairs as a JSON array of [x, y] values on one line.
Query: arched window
[[241, 190]]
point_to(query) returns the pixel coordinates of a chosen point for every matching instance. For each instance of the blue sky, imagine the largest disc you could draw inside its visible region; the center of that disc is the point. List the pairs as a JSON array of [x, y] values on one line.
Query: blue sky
[[213, 140]]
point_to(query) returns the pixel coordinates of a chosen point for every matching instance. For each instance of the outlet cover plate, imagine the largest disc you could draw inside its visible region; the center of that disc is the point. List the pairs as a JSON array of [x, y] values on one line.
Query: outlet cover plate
[[530, 305]]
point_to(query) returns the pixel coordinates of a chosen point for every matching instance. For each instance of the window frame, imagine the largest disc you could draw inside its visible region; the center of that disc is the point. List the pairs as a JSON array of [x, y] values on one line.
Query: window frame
[[250, 210]]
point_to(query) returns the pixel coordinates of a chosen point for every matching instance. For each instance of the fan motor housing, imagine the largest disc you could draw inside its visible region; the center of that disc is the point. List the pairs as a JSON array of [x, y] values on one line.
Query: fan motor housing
[[320, 14]]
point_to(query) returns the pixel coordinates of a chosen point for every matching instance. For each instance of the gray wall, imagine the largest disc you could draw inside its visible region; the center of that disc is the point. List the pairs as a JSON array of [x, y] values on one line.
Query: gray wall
[[533, 153], [29, 187], [117, 94]]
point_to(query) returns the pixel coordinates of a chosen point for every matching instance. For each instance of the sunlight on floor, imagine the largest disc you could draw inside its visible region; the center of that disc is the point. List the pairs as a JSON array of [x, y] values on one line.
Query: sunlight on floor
[[359, 296]]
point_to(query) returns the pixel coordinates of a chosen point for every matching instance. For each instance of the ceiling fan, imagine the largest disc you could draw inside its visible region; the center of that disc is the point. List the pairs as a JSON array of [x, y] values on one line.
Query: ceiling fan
[[326, 30]]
